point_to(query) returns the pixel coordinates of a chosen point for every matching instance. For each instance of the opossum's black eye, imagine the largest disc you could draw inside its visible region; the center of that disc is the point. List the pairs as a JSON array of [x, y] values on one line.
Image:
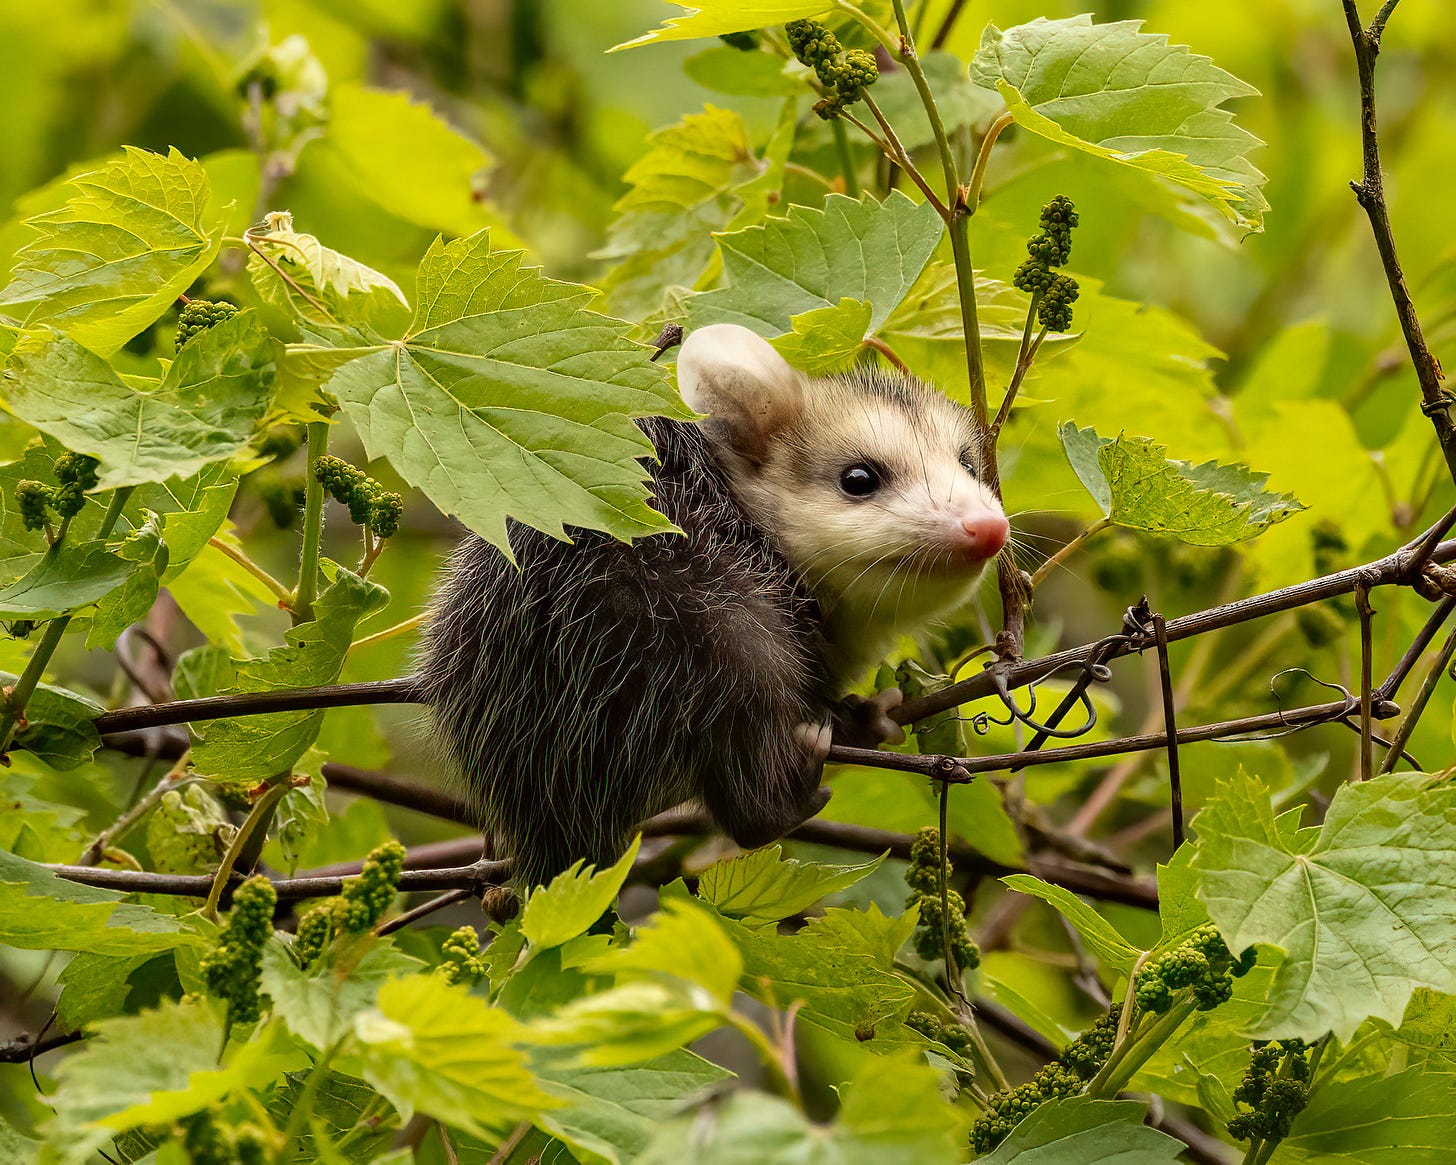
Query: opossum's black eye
[[968, 462], [859, 481]]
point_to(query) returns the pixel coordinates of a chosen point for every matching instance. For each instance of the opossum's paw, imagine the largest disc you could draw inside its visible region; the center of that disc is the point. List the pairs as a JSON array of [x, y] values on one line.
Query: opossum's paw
[[814, 739], [866, 723]]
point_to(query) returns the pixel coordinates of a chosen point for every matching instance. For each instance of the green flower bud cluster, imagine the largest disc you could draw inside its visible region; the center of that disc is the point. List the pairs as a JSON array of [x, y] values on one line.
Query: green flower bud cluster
[[198, 315], [1048, 250], [208, 1141], [463, 962], [367, 896], [846, 73], [233, 969], [1008, 1109], [953, 1035], [76, 474], [923, 876], [1064, 1076], [370, 504], [1203, 964], [315, 932], [1274, 1090]]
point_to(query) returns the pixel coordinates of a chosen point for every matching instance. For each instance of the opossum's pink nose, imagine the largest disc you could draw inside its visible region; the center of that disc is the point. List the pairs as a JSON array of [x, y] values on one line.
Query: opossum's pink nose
[[987, 533]]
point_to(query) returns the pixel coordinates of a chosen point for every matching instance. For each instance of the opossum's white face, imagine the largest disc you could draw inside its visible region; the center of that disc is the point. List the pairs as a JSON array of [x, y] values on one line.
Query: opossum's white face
[[867, 481]]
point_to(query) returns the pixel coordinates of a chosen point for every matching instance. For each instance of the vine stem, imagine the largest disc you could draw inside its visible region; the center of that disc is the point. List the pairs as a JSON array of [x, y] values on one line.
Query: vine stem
[[280, 592], [1124, 1062], [1418, 703], [1068, 550], [19, 696], [249, 838], [983, 159], [313, 525], [402, 628], [173, 779]]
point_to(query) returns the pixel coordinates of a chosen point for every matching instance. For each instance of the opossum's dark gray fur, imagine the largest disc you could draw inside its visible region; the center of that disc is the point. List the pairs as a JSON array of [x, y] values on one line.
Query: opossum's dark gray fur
[[602, 682]]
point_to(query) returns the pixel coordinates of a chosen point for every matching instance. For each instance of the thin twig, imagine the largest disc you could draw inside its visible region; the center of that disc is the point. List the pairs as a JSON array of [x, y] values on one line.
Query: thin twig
[[1065, 552], [279, 591], [424, 909], [1418, 704], [1170, 729], [1367, 654]]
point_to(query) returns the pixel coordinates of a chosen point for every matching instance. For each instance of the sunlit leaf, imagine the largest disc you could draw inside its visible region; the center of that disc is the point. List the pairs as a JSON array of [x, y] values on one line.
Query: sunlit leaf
[[715, 17], [764, 886], [1131, 97], [1365, 914], [133, 235], [575, 899], [1077, 1129]]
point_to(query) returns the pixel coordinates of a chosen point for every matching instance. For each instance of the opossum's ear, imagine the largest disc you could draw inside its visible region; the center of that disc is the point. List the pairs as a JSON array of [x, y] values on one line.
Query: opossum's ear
[[747, 389]]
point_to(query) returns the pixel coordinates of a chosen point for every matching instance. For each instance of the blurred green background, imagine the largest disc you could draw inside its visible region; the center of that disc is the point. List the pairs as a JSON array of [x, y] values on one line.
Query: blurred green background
[[1279, 349]]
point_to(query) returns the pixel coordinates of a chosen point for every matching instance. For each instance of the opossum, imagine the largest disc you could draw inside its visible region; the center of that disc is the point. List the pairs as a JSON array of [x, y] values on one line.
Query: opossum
[[597, 683]]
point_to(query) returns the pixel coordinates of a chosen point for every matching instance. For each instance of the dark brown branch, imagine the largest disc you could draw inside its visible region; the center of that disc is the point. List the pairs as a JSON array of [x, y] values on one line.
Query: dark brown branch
[[24, 1048], [1370, 191], [1398, 568], [400, 691]]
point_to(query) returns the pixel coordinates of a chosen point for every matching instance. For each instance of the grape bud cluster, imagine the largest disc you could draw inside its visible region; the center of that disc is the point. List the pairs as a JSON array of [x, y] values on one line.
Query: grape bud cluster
[[1273, 1091], [1055, 291], [846, 73], [233, 968], [923, 876], [1202, 964], [463, 962], [370, 504], [75, 473], [365, 900], [198, 315]]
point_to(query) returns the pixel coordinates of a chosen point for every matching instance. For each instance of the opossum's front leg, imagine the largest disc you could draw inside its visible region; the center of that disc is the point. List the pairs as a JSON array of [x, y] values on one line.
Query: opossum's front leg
[[862, 722], [786, 791]]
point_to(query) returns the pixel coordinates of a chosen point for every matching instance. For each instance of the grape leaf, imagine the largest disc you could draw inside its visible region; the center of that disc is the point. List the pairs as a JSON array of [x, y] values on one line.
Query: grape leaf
[[611, 1114], [436, 1048], [714, 17], [319, 1005], [575, 899], [144, 549], [813, 258], [244, 749], [892, 1113], [58, 727], [320, 286], [1408, 1118], [826, 339], [213, 395], [682, 941], [763, 886], [508, 397], [133, 236], [1099, 934], [65, 578], [687, 185], [1364, 909], [865, 932], [1077, 1129], [172, 1068], [40, 911], [1131, 97], [631, 1022], [1137, 485]]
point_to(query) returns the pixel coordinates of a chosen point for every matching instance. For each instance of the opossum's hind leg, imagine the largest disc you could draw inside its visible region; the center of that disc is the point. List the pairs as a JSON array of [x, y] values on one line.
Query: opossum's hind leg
[[774, 788]]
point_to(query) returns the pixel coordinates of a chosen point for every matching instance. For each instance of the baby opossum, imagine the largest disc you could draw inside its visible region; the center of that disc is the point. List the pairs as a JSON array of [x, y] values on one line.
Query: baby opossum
[[602, 683]]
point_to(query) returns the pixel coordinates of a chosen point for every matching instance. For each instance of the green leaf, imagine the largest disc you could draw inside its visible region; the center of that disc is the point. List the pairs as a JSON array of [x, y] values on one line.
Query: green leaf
[[1137, 485], [611, 1114], [763, 886], [851, 249], [433, 1047], [509, 398], [59, 729], [715, 17], [132, 237], [66, 577], [865, 932], [214, 393], [1078, 1129], [1099, 934], [192, 509], [119, 609], [892, 1114], [319, 1005], [682, 941], [1405, 1119], [631, 1023], [687, 185], [1132, 98], [1365, 914], [843, 992], [340, 1104], [214, 590], [826, 339], [575, 899], [96, 987], [244, 749], [320, 286], [169, 1067], [41, 912]]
